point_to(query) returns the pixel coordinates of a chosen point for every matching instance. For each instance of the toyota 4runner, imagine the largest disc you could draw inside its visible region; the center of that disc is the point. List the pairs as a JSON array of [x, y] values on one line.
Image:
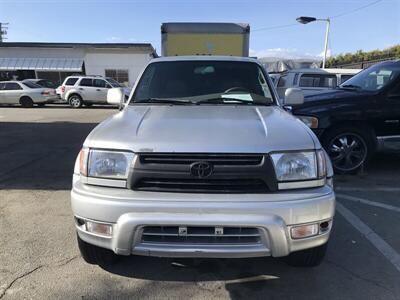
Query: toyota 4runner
[[203, 162]]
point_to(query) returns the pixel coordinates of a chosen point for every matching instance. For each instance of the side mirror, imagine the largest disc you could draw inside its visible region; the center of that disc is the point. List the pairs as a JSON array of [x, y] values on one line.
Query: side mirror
[[293, 96], [116, 96]]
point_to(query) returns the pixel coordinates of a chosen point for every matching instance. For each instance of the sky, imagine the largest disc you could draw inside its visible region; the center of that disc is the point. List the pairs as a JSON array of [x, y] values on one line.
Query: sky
[[274, 30]]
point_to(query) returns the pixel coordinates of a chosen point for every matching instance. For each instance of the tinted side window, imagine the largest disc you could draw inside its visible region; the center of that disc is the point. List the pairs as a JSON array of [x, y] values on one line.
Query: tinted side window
[[343, 78], [98, 83], [12, 86], [86, 82], [71, 81], [318, 80], [2, 85], [282, 81]]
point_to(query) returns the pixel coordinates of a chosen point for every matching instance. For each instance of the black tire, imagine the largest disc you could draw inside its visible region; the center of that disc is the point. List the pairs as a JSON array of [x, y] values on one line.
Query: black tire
[[26, 102], [75, 101], [307, 258], [349, 148], [96, 255]]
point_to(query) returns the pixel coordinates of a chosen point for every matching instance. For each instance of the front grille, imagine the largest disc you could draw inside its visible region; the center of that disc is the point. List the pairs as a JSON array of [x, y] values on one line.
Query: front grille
[[230, 173], [200, 235], [215, 159], [202, 185]]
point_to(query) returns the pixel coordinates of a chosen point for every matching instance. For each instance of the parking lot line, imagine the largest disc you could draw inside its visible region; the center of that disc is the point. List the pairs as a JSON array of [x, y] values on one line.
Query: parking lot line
[[367, 189], [370, 235], [369, 202]]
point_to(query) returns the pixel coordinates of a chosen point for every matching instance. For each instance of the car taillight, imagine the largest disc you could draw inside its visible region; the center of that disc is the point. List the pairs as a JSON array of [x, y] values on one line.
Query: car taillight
[[62, 89], [45, 93]]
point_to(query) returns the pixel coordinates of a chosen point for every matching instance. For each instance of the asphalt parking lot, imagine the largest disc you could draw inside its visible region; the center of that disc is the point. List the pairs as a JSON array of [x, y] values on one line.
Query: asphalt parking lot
[[39, 258]]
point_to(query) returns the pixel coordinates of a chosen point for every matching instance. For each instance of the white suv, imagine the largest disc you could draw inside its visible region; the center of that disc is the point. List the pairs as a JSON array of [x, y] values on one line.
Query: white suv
[[86, 90]]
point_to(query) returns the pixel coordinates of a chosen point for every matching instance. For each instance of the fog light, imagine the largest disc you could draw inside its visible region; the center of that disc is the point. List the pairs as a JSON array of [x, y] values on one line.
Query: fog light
[[303, 231], [99, 228]]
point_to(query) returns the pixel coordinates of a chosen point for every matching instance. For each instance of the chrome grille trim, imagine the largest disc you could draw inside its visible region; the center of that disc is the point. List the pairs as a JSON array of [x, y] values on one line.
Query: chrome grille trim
[[201, 235]]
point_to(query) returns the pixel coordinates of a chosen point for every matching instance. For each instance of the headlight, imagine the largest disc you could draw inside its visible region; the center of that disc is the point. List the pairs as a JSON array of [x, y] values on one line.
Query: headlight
[[105, 164], [300, 169], [311, 122]]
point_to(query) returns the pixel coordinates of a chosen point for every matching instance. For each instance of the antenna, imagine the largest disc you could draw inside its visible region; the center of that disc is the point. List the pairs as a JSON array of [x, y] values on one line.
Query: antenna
[[3, 31]]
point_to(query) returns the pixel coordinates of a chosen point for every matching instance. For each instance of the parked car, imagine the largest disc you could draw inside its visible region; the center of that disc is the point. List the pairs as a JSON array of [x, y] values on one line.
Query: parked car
[[86, 90], [313, 80], [359, 117], [43, 83], [203, 162], [25, 93]]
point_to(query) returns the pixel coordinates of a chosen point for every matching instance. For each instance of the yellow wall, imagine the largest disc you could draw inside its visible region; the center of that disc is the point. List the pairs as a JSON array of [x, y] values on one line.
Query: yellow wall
[[214, 44]]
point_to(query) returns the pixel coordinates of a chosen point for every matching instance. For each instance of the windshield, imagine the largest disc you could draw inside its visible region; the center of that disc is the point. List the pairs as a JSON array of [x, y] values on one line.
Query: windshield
[[373, 78], [113, 82], [32, 85], [218, 82]]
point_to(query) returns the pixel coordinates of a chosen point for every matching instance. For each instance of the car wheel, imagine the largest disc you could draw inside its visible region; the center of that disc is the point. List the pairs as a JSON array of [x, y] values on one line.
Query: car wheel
[[26, 102], [307, 258], [75, 101], [348, 148], [96, 255]]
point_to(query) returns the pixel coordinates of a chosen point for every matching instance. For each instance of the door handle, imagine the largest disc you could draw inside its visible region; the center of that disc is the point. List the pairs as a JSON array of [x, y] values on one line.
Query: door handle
[[99, 90], [81, 89]]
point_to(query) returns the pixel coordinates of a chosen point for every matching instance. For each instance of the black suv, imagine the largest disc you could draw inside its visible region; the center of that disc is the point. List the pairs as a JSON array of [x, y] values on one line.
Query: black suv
[[358, 118]]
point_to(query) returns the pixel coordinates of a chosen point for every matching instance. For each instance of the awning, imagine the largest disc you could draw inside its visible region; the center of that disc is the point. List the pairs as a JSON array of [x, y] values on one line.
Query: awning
[[41, 64]]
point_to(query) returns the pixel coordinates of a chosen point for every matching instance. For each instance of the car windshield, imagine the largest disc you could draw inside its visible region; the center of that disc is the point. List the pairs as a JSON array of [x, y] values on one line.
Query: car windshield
[[32, 85], [197, 82], [113, 82], [374, 78]]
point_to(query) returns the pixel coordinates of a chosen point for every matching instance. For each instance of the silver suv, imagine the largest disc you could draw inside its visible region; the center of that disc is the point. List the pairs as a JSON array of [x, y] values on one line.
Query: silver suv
[[203, 162], [86, 90]]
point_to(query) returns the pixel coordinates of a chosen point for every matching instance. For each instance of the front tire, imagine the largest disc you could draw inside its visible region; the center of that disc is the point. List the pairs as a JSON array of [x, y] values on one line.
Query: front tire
[[307, 258], [349, 148], [95, 255], [75, 101], [26, 102]]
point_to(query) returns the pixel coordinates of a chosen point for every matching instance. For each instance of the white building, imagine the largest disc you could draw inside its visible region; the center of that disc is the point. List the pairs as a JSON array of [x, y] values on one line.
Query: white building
[[55, 61]]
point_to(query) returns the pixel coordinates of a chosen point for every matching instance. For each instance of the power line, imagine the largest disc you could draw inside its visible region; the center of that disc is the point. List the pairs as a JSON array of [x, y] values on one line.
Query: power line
[[356, 9], [334, 17], [275, 27]]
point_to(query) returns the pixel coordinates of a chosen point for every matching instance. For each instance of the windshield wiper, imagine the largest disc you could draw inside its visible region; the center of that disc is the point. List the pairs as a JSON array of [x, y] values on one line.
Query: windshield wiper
[[230, 101], [163, 101], [351, 86]]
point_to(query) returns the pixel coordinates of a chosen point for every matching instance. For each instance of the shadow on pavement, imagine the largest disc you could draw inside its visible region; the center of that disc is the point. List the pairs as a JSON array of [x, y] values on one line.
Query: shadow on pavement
[[40, 155]]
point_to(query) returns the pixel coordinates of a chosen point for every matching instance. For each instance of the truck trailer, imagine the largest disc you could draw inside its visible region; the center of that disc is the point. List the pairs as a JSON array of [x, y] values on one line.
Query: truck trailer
[[205, 39]]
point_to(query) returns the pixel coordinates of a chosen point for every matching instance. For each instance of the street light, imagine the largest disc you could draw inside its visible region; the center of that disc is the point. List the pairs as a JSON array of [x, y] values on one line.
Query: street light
[[306, 20]]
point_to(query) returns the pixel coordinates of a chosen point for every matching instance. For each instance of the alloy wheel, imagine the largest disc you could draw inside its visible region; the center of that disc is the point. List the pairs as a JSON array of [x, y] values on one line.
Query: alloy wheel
[[348, 151]]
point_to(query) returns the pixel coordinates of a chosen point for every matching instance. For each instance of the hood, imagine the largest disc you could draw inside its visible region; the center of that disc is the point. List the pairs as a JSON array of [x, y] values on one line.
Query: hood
[[202, 129], [335, 94]]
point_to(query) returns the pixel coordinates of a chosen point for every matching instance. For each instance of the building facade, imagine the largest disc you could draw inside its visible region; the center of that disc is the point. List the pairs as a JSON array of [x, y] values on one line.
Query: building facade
[[55, 61]]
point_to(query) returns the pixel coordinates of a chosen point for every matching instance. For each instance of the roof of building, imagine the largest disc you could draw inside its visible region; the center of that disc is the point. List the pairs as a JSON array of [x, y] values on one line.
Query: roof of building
[[143, 46]]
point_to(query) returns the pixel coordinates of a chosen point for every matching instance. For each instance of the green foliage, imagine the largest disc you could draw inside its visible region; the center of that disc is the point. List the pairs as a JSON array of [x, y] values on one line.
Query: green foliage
[[360, 56]]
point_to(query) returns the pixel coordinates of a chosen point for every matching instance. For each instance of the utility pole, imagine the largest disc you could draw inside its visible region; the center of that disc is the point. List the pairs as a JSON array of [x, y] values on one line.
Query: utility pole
[[3, 31]]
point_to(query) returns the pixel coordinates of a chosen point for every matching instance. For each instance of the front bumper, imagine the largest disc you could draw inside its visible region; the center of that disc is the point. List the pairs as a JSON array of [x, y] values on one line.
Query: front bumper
[[273, 214]]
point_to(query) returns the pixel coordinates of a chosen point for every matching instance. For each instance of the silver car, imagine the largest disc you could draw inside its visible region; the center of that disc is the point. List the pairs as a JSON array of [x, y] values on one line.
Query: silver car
[[203, 162], [25, 93]]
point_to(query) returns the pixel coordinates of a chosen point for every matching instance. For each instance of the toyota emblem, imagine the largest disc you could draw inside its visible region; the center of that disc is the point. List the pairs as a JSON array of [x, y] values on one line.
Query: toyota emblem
[[201, 169]]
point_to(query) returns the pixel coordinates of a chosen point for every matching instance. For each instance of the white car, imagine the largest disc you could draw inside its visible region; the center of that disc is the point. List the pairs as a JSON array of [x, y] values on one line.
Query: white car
[[87, 90], [312, 80], [25, 93]]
